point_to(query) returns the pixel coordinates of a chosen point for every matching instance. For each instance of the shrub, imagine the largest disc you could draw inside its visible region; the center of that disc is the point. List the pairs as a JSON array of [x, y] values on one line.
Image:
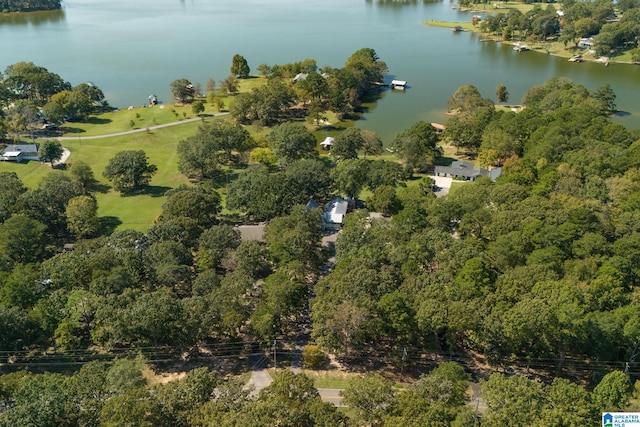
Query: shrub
[[312, 357]]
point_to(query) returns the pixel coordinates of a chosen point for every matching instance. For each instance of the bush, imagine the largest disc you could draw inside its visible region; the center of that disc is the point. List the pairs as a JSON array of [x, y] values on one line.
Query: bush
[[312, 357]]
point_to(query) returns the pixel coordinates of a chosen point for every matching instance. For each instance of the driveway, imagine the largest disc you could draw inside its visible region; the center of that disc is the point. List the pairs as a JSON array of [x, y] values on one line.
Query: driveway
[[442, 186]]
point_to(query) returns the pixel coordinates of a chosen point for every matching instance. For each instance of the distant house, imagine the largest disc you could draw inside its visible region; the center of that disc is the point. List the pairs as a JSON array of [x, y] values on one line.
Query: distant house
[[586, 43], [334, 213], [327, 143], [438, 127], [465, 171], [300, 77], [19, 153]]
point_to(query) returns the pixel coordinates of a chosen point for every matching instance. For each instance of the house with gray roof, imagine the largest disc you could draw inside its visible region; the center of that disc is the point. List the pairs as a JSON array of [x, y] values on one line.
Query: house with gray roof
[[466, 171], [20, 153]]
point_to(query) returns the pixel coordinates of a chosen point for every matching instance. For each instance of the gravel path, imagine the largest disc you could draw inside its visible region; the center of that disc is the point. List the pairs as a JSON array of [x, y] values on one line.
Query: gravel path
[[129, 132]]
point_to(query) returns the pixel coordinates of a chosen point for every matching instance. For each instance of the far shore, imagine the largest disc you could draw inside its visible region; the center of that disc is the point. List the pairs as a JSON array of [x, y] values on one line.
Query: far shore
[[552, 48]]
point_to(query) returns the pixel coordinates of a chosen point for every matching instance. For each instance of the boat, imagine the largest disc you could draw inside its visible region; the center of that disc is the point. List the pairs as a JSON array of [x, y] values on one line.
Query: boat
[[520, 48], [576, 58]]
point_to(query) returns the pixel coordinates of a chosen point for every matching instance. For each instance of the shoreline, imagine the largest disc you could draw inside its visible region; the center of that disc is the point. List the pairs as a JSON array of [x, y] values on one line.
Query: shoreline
[[534, 47]]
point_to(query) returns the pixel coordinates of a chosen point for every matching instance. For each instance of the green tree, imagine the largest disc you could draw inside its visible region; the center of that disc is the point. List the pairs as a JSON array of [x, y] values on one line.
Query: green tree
[[417, 146], [195, 203], [27, 81], [612, 392], [502, 94], [384, 200], [512, 401], [182, 90], [82, 173], [23, 240], [11, 187], [239, 66], [82, 217], [372, 143], [197, 108], [229, 85], [370, 395], [347, 143], [292, 141], [50, 151], [350, 176], [215, 243], [129, 170]]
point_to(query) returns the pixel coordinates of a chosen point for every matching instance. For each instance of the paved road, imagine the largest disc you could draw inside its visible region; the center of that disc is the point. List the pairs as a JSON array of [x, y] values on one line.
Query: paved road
[[129, 132]]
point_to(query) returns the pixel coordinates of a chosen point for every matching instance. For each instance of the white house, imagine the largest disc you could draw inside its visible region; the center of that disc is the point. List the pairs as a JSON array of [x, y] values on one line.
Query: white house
[[334, 213], [20, 152]]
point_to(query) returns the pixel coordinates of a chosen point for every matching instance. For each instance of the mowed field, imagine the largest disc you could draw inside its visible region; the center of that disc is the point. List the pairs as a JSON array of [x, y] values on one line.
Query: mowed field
[[135, 211]]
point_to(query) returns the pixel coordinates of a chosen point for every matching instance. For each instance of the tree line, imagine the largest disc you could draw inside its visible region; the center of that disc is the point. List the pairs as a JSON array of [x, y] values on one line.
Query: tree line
[[31, 96], [28, 6]]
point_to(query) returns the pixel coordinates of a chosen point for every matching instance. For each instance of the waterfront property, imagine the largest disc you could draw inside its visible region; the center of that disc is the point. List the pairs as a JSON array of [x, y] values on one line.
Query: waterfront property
[[465, 171]]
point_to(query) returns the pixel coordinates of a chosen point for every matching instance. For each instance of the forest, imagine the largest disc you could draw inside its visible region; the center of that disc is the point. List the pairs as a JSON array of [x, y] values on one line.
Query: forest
[[534, 274]]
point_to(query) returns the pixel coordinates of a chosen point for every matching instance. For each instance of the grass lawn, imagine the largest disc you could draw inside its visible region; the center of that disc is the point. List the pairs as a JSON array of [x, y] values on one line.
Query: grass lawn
[[137, 211], [457, 186], [329, 379]]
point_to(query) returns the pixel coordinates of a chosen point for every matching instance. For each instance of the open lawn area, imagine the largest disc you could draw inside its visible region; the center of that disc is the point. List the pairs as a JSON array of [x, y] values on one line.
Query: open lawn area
[[136, 211]]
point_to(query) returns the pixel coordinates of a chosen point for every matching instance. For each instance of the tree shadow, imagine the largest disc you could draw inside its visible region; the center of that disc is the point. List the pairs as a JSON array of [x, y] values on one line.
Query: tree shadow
[[622, 113], [109, 224], [97, 120], [100, 188], [66, 130], [147, 190]]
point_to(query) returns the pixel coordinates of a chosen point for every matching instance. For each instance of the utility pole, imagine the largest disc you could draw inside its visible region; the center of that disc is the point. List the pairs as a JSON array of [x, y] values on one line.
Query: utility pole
[[404, 356], [275, 355]]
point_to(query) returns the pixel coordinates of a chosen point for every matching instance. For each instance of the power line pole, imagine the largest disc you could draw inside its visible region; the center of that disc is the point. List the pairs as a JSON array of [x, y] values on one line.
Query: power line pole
[[275, 355]]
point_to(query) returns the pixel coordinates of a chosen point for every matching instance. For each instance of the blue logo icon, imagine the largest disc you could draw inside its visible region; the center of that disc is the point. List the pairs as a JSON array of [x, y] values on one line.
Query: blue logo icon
[[607, 420]]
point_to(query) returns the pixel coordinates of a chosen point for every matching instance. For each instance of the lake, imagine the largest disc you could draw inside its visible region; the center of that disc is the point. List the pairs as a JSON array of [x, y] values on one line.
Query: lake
[[134, 49]]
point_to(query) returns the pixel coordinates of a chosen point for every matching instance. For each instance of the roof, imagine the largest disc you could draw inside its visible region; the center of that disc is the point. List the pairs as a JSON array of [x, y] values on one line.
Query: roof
[[24, 148], [335, 210], [466, 169], [327, 141], [300, 76], [12, 153], [461, 171]]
